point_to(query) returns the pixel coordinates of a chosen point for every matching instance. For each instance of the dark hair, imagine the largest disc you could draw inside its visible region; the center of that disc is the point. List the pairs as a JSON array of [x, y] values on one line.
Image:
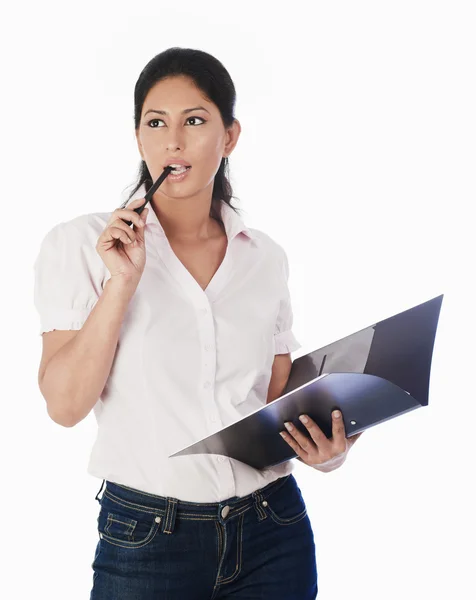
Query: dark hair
[[211, 77]]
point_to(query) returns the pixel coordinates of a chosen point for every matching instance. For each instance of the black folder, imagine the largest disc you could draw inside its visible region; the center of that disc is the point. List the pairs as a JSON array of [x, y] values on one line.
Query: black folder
[[371, 376]]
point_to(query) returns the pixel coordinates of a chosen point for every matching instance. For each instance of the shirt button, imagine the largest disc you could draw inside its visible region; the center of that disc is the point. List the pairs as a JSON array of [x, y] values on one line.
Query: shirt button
[[204, 311], [208, 347], [206, 385]]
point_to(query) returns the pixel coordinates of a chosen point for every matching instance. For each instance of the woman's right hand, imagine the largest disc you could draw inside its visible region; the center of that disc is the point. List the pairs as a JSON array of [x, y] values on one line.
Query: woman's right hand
[[124, 258]]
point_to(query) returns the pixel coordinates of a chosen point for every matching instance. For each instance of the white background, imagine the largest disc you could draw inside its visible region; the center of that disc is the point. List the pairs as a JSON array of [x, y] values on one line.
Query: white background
[[357, 154]]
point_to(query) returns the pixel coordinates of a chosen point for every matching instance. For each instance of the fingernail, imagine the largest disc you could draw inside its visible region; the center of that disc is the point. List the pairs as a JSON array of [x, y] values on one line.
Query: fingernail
[[303, 419], [336, 414], [282, 434], [288, 426]]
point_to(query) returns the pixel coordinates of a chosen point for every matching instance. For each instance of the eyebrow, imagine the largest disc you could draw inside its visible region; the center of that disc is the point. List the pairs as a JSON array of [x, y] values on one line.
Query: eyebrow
[[184, 112]]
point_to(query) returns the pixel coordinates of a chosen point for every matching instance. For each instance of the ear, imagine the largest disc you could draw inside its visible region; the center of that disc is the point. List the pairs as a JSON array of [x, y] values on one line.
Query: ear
[[232, 135]]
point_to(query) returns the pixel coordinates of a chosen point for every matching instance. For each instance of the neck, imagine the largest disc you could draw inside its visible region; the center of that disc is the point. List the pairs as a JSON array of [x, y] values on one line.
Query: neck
[[186, 219]]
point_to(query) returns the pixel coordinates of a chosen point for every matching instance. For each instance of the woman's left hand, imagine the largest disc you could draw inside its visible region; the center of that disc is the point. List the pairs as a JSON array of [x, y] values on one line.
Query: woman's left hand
[[320, 452]]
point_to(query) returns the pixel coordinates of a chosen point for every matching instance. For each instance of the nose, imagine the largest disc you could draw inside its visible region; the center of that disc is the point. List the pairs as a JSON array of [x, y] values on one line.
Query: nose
[[174, 138], [173, 145]]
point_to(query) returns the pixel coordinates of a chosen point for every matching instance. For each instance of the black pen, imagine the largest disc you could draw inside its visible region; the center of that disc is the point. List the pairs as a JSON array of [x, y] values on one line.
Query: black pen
[[151, 192]]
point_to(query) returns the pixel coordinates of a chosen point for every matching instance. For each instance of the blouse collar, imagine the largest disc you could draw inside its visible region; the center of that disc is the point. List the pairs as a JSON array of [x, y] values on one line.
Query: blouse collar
[[231, 220]]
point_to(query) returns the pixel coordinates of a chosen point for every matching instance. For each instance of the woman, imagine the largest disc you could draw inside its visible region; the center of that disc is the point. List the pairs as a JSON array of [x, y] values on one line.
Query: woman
[[178, 343]]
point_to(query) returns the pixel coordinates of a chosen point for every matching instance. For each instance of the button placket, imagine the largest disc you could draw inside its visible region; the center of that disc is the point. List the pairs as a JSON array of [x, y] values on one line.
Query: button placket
[[207, 333]]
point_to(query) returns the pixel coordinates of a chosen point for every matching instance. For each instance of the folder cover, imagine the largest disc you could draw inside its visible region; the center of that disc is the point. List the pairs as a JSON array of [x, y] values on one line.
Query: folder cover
[[371, 376]]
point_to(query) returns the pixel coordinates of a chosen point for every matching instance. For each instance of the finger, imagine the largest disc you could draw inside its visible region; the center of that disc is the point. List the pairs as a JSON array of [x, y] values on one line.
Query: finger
[[132, 216], [111, 234], [338, 432], [138, 202], [127, 231], [110, 238], [316, 433], [304, 442], [126, 214], [140, 231], [137, 207], [294, 445]]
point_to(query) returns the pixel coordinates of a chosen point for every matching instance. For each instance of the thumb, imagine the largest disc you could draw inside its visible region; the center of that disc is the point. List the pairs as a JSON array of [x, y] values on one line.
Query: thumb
[[140, 231]]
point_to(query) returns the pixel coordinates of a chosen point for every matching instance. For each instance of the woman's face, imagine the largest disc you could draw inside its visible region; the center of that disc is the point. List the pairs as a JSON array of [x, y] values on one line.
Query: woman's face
[[198, 136]]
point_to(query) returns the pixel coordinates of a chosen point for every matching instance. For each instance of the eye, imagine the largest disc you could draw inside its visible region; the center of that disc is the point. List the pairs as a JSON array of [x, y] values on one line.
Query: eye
[[189, 118], [196, 118]]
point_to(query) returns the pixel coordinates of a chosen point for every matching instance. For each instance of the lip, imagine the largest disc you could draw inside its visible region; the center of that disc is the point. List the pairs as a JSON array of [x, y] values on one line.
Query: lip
[[177, 178], [177, 161]]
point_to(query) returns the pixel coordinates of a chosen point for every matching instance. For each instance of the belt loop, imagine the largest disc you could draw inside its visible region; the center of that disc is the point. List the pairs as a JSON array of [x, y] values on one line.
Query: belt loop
[[170, 514], [102, 485], [258, 505]]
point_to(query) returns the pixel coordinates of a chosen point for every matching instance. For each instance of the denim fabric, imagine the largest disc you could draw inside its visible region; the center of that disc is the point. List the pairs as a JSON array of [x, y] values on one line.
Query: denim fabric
[[150, 547]]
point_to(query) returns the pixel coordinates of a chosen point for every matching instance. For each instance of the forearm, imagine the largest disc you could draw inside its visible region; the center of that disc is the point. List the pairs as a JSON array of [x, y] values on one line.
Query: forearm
[[275, 391], [280, 373], [76, 375]]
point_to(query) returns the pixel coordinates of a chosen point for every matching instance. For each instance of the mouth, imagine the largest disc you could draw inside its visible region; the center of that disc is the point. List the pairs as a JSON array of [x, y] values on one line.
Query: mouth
[[180, 176], [178, 169]]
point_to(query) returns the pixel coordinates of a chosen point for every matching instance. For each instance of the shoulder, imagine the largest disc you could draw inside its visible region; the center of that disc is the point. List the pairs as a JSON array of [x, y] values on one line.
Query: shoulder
[[84, 229], [269, 245], [273, 252], [73, 243]]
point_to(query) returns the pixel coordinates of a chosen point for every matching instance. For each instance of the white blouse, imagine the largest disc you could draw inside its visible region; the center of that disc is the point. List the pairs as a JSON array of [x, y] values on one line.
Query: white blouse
[[188, 362]]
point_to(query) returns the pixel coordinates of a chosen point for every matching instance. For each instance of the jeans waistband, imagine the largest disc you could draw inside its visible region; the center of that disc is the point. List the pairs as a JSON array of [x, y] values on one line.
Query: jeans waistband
[[172, 508]]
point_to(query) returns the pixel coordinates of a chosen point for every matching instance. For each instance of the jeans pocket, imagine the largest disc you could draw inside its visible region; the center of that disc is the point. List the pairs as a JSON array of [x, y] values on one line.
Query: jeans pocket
[[124, 527], [286, 506]]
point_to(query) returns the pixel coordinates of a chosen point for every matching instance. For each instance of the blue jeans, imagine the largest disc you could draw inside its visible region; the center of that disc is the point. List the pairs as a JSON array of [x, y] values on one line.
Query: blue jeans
[[260, 546]]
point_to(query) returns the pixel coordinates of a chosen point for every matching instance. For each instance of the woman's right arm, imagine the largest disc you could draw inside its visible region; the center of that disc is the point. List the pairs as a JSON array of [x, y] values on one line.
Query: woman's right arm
[[73, 379], [78, 352]]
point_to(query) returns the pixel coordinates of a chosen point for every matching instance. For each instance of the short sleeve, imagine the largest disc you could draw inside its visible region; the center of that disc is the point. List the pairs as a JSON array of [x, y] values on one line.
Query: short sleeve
[[284, 338], [67, 278]]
